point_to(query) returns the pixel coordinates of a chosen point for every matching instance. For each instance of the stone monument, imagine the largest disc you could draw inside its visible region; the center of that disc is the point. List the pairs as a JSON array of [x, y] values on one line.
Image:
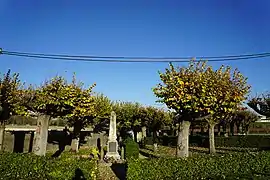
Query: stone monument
[[41, 135], [112, 146]]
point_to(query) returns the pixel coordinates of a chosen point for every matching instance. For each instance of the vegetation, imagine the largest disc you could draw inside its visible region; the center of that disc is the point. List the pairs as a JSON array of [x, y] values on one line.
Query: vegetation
[[27, 166], [227, 166], [198, 91], [131, 149], [9, 100], [261, 104]]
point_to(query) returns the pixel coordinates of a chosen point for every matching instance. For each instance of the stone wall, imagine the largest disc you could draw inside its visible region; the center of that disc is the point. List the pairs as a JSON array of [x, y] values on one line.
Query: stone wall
[[88, 139]]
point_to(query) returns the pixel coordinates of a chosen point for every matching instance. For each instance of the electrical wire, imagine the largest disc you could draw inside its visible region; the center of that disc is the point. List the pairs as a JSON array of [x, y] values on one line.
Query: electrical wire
[[132, 59]]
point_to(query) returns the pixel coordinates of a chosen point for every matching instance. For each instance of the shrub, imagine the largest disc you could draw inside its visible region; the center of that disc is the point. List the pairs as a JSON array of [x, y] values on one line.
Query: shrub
[[131, 149], [229, 166], [28, 166]]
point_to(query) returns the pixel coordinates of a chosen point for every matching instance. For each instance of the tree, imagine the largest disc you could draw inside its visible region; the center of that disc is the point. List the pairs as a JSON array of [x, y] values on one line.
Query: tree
[[245, 118], [50, 100], [198, 92], [261, 104], [9, 100], [81, 109], [128, 117], [155, 119], [103, 107]]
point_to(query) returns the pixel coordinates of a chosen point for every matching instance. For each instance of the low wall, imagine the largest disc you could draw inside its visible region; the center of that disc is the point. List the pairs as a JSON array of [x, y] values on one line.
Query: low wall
[[20, 141]]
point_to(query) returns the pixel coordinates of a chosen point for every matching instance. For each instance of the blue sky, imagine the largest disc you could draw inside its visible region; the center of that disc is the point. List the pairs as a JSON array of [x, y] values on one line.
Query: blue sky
[[132, 28]]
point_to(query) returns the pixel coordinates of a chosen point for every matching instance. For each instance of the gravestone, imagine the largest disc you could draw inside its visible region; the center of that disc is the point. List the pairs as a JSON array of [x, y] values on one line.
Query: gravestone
[[112, 145], [41, 135]]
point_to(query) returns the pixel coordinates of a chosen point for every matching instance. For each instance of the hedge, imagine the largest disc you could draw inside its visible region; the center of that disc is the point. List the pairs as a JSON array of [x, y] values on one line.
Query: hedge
[[244, 141], [228, 166], [131, 149], [31, 167]]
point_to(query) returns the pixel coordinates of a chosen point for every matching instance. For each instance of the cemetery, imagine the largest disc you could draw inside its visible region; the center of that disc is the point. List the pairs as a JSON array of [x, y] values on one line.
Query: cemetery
[[210, 130]]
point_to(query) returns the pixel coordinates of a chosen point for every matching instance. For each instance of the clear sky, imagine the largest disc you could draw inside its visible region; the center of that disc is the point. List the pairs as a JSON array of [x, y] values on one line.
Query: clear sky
[[132, 28]]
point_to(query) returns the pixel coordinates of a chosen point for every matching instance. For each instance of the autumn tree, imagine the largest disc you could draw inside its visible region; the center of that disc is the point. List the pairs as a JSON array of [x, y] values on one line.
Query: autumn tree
[[198, 92], [9, 100], [49, 100], [81, 109]]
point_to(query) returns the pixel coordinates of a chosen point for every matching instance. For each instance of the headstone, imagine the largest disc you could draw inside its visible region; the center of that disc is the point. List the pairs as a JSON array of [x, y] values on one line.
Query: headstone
[[41, 135], [112, 145]]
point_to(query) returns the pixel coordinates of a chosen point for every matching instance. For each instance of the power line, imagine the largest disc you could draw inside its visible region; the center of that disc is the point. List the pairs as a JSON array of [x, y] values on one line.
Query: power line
[[132, 59], [126, 57]]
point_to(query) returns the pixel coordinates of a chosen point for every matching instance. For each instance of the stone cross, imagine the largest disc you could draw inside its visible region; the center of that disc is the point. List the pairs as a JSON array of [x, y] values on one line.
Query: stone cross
[[112, 146]]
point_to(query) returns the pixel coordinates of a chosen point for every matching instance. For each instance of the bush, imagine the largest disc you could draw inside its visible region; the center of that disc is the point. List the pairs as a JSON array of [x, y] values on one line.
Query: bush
[[131, 149], [28, 166], [229, 166]]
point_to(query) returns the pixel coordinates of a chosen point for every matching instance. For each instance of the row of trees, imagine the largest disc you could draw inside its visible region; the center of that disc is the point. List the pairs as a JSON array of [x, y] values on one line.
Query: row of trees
[[193, 94], [79, 105]]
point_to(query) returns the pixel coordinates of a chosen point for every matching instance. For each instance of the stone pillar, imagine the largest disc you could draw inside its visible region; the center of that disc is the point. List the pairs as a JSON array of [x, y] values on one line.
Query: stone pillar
[[41, 138], [31, 141], [112, 146], [2, 135]]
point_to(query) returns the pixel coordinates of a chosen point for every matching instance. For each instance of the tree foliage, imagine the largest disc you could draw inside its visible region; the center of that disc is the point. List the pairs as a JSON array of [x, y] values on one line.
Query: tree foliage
[[198, 90], [81, 104], [128, 115], [10, 86], [261, 104]]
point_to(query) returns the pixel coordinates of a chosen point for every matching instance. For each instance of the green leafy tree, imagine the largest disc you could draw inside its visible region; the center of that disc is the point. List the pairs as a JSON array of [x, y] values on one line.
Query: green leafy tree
[[103, 107], [155, 119], [128, 116], [197, 92], [10, 87]]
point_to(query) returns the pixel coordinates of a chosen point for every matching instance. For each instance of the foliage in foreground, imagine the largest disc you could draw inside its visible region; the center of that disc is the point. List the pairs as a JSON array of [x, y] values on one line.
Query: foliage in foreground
[[26, 166], [228, 166], [131, 149]]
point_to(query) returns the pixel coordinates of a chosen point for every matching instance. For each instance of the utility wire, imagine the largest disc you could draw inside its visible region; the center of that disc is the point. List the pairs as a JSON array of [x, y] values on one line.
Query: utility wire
[[129, 59], [145, 58]]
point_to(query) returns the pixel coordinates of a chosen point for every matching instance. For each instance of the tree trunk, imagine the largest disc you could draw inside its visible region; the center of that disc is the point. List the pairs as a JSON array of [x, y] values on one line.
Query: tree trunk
[[41, 135], [76, 138], [183, 139], [2, 135], [212, 149]]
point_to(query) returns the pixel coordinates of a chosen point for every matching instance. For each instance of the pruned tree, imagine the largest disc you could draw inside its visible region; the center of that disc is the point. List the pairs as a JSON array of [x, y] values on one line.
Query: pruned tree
[[155, 119], [49, 100], [128, 117], [81, 109], [245, 118], [196, 92], [103, 107], [10, 86], [261, 104]]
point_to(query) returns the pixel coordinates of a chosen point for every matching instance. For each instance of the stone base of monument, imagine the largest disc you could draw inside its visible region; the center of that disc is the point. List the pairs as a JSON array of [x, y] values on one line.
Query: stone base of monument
[[112, 154]]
